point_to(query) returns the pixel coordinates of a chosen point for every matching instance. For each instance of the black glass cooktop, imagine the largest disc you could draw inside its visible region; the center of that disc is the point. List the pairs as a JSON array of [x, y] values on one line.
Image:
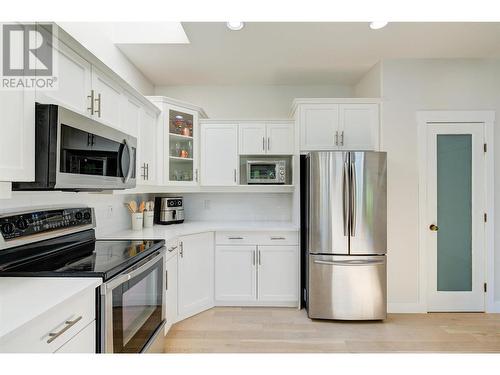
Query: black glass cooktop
[[76, 257]]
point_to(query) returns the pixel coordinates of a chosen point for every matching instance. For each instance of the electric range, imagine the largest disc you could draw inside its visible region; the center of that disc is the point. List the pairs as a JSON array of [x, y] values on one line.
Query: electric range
[[60, 242]]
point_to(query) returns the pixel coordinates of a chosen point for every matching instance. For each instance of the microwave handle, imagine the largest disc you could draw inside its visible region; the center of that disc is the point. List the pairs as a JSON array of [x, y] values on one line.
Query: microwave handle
[[127, 175]]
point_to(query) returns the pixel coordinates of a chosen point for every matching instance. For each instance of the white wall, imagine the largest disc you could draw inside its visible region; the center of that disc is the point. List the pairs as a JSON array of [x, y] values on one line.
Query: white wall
[[238, 207], [250, 102], [97, 38], [407, 87], [111, 213], [370, 85]]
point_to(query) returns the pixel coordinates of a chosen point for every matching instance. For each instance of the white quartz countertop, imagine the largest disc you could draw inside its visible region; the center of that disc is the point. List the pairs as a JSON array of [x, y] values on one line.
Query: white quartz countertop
[[24, 298], [167, 232]]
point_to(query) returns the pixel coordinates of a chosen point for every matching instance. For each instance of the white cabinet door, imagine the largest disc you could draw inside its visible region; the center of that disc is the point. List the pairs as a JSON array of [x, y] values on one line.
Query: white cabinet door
[[74, 82], [171, 308], [196, 274], [278, 273], [147, 163], [319, 125], [17, 142], [252, 139], [235, 273], [130, 115], [83, 342], [107, 106], [280, 139], [219, 154], [359, 126]]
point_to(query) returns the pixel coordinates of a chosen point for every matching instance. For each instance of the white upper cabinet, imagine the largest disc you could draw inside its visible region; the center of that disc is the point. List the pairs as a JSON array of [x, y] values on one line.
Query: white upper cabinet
[[319, 125], [147, 154], [17, 142], [266, 138], [74, 82], [130, 115], [108, 101], [219, 154], [328, 125], [252, 139], [359, 126], [280, 139]]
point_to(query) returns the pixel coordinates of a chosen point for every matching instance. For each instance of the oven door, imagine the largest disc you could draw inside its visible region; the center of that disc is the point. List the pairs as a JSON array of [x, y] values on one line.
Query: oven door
[[262, 172], [134, 306], [91, 155]]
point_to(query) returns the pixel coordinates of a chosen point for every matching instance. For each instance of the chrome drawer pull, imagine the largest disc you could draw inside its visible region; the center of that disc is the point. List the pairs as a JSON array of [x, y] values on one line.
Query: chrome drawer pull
[[278, 238], [235, 238], [172, 249], [69, 324]]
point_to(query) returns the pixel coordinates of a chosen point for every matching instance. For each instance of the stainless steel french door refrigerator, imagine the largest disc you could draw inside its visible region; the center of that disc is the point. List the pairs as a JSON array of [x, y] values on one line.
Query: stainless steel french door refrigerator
[[344, 234]]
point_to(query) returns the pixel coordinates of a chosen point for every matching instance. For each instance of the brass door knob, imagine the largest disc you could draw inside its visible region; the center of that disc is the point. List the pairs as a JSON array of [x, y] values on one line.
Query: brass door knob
[[433, 227]]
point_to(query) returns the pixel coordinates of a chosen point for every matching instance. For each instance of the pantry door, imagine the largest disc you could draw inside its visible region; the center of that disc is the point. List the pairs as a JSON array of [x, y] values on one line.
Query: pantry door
[[456, 198]]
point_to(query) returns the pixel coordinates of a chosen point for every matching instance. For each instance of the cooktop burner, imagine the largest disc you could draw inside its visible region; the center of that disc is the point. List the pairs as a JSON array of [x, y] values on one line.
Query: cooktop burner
[[102, 258]]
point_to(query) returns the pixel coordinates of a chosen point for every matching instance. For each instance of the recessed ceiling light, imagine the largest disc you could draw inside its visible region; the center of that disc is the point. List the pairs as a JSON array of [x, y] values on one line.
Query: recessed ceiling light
[[378, 25], [235, 25]]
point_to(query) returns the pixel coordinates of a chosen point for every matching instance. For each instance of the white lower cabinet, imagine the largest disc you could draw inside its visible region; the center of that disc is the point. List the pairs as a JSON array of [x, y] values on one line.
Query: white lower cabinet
[[254, 274], [235, 273], [83, 342], [195, 274], [51, 331], [278, 273], [171, 287]]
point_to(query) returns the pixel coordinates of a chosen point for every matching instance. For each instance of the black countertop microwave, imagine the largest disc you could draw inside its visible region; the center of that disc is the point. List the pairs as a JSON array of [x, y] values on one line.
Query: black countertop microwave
[[76, 153]]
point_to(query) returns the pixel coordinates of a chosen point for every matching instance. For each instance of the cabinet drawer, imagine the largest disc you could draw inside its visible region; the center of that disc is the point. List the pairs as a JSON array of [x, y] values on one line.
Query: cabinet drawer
[[257, 238], [64, 320], [83, 342]]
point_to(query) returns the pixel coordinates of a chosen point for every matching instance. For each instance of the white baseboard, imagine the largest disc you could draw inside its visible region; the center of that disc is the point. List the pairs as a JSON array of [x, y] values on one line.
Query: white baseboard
[[406, 307], [494, 307]]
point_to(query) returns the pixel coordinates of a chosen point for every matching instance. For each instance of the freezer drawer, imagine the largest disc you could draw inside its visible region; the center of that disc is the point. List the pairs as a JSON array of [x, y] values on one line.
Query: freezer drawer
[[347, 287]]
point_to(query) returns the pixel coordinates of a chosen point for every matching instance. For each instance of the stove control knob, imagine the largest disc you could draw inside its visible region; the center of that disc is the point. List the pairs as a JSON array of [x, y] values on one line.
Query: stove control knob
[[78, 216], [22, 224], [8, 228], [86, 215]]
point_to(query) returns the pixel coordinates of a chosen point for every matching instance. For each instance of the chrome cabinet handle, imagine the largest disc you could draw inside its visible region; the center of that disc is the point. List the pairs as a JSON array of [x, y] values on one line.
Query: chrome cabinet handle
[[147, 171], [91, 98], [98, 101], [278, 238], [336, 138], [172, 249], [68, 325], [235, 175], [268, 143], [144, 177], [235, 238], [263, 143], [181, 249], [260, 259], [342, 138], [196, 174]]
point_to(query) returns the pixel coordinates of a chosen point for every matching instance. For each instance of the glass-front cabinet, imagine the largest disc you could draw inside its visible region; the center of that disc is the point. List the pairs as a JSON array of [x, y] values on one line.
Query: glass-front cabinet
[[178, 141], [181, 149]]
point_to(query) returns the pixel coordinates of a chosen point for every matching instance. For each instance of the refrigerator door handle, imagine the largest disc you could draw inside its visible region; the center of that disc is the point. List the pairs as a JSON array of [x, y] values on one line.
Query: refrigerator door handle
[[350, 262], [345, 198], [352, 186]]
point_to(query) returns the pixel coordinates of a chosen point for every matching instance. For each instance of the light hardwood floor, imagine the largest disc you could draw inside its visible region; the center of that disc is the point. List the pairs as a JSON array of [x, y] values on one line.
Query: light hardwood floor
[[284, 330]]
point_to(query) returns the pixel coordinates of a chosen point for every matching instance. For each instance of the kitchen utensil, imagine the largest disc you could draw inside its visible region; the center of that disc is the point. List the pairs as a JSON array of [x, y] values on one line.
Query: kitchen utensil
[[142, 206], [133, 206]]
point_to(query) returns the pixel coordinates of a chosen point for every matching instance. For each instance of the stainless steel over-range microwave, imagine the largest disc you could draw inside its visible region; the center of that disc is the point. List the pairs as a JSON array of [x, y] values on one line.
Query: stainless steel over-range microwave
[[74, 152]]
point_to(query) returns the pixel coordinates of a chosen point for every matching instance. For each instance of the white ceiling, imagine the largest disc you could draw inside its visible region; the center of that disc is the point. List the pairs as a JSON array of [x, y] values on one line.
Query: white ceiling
[[303, 53]]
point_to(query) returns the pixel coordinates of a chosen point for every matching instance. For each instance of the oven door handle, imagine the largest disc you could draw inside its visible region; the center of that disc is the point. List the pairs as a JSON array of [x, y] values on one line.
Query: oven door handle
[[141, 267]]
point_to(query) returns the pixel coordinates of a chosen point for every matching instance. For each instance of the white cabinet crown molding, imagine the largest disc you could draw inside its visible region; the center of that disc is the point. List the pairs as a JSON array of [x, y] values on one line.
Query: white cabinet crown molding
[[158, 99], [297, 101]]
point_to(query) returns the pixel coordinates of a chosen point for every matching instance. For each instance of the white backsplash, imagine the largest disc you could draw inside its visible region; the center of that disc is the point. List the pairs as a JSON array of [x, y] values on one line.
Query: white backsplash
[[111, 213], [238, 206]]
